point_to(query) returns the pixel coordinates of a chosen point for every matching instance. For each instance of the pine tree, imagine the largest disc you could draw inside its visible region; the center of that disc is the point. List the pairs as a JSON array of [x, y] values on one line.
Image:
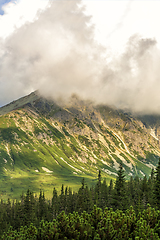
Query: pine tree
[[131, 190], [41, 206], [110, 188], [54, 206], [145, 189], [151, 182], [29, 212], [84, 198], [157, 185], [104, 194], [110, 193], [70, 201], [80, 197], [98, 195], [62, 199], [120, 181], [119, 195]]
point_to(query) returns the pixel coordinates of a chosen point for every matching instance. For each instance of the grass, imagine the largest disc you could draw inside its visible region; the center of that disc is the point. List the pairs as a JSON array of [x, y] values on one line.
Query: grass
[[140, 166], [151, 157], [125, 157], [28, 153], [20, 181], [84, 140], [109, 144]]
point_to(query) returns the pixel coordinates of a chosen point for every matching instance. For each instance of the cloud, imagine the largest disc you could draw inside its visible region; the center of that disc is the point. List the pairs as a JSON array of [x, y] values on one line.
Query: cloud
[[58, 55], [122, 19], [2, 3], [18, 12], [134, 80]]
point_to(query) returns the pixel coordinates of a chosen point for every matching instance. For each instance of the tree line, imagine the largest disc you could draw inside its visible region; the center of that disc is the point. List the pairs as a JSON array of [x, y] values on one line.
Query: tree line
[[108, 205]]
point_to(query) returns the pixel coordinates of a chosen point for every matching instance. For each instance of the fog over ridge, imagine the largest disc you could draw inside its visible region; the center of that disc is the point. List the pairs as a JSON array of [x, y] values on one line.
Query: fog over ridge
[[58, 55]]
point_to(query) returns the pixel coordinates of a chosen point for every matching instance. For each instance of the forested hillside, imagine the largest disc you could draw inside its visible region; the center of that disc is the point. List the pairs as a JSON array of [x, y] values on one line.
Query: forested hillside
[[126, 210]]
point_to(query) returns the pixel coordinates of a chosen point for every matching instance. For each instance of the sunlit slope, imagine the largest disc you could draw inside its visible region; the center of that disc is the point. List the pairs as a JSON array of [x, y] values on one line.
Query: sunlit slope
[[44, 145]]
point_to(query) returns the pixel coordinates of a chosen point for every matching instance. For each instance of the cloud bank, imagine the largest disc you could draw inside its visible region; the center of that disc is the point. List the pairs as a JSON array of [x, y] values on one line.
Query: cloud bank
[[58, 55]]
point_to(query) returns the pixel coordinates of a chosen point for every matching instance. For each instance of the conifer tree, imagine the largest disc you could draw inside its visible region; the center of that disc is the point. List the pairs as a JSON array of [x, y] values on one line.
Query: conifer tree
[[54, 206], [70, 201], [157, 185], [104, 194], [98, 196], [81, 197], [110, 193], [110, 188], [62, 199], [29, 208], [145, 189], [42, 206], [131, 191], [151, 182], [119, 195]]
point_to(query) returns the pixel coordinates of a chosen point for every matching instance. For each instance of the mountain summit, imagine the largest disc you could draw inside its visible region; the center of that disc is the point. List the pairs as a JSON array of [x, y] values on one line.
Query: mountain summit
[[45, 144]]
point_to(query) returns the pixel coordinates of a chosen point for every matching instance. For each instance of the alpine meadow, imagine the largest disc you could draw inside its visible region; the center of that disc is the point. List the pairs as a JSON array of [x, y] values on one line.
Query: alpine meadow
[[79, 120], [44, 144]]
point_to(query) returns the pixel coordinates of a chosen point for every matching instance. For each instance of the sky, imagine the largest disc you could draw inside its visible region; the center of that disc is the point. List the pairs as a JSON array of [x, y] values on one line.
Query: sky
[[107, 51], [2, 2]]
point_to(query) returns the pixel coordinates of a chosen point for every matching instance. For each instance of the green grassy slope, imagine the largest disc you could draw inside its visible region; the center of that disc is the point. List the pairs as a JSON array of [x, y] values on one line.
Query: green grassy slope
[[43, 145]]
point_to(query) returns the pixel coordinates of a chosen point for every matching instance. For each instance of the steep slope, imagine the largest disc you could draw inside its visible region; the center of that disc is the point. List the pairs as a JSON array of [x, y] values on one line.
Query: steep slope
[[44, 144]]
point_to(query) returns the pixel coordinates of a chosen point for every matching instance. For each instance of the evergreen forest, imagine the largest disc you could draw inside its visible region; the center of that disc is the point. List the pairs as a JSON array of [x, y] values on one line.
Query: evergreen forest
[[120, 210]]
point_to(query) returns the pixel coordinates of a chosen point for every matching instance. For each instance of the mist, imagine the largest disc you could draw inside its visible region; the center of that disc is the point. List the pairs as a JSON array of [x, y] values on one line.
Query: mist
[[57, 55]]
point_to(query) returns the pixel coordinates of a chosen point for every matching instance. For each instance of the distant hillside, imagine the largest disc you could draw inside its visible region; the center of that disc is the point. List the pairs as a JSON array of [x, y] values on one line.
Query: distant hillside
[[44, 144]]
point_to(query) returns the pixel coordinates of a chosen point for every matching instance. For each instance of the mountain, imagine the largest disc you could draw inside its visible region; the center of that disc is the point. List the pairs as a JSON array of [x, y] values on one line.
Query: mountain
[[44, 144]]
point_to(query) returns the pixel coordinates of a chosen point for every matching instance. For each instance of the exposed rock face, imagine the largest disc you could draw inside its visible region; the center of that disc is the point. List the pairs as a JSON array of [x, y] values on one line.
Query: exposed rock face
[[74, 140]]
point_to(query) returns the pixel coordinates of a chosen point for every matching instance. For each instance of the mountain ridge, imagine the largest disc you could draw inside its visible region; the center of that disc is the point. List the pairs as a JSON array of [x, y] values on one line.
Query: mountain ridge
[[19, 103], [44, 144]]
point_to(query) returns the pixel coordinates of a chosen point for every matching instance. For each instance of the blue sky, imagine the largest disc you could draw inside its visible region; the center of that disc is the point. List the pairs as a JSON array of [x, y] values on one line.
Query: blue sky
[[2, 2]]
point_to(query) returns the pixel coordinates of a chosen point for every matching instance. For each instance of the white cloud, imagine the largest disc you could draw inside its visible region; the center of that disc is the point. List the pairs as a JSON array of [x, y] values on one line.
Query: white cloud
[[17, 13], [56, 53], [116, 21]]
